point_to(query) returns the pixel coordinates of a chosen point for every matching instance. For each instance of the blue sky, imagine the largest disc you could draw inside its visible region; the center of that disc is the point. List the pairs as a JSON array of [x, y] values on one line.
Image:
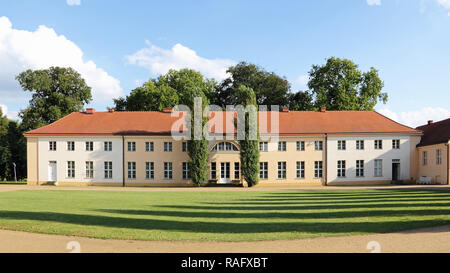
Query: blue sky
[[117, 45]]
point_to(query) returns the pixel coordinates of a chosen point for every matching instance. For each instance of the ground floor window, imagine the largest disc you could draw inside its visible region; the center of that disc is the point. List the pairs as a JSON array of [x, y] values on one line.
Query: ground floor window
[[89, 169], [167, 170], [341, 168], [236, 170], [318, 171], [378, 171], [263, 170], [359, 168], [108, 169], [213, 170], [71, 169], [131, 170], [282, 170], [300, 169], [424, 158], [149, 170], [186, 170], [439, 157]]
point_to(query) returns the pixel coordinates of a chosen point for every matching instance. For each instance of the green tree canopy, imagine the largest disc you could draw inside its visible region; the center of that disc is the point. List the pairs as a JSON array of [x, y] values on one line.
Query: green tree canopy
[[301, 101], [269, 88], [56, 92], [340, 85]]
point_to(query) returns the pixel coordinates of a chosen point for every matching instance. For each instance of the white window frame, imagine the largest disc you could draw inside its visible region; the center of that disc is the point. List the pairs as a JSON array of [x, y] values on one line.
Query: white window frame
[[342, 145], [108, 169], [168, 146], [396, 144], [438, 157], [185, 170], [131, 146], [168, 170], [71, 146], [131, 169], [318, 169], [282, 146], [282, 166], [89, 146], [378, 144], [300, 170], [359, 168], [237, 172], [149, 146], [213, 170], [378, 168], [52, 145], [300, 145], [184, 147], [263, 146], [89, 169], [263, 170], [149, 170], [360, 144], [425, 158], [341, 168], [107, 146], [70, 169], [318, 145]]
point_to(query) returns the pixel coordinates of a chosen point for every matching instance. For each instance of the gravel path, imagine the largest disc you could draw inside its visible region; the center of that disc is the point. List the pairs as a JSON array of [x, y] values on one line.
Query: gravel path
[[433, 240]]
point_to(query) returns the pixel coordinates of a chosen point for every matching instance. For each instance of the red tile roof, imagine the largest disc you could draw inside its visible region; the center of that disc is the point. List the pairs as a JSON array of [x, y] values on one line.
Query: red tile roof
[[160, 123], [435, 133]]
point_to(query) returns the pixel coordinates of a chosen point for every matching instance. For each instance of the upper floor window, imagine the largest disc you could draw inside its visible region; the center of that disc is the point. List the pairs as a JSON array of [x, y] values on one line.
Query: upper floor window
[[300, 145], [70, 146], [131, 146], [52, 145], [360, 145], [424, 158], [149, 146], [108, 146], [318, 145], [439, 157], [396, 144], [184, 147], [225, 146], [263, 146], [89, 146], [167, 146], [282, 146], [378, 144], [342, 144]]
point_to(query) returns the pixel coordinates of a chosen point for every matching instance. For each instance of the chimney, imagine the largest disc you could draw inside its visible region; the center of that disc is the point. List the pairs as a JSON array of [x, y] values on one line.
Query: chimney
[[111, 110], [168, 110], [285, 109], [90, 110], [430, 122], [323, 109]]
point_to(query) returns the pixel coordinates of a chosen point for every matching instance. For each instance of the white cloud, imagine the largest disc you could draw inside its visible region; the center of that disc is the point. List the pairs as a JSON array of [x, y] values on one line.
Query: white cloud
[[373, 2], [10, 114], [40, 49], [73, 2], [444, 3], [417, 118], [160, 61], [302, 80]]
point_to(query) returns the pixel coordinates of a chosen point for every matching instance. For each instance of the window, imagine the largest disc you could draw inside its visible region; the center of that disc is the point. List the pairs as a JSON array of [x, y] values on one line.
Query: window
[[131, 146], [396, 144], [108, 146], [378, 171], [439, 157], [167, 146], [263, 170], [360, 145], [184, 147], [70, 146], [149, 170], [318, 145], [149, 146], [108, 169], [424, 158], [131, 170], [236, 170], [263, 146], [213, 170], [341, 168], [89, 146], [300, 145], [52, 145], [282, 170], [378, 144], [342, 145], [168, 170], [359, 168], [282, 146], [70, 169], [318, 172], [186, 170], [89, 169], [225, 146], [300, 169]]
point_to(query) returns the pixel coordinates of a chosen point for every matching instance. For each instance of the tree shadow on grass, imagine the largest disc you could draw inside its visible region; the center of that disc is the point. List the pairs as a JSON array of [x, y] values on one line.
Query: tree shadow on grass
[[218, 227]]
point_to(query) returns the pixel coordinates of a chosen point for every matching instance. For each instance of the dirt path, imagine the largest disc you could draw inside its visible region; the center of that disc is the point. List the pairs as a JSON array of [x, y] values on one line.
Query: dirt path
[[435, 239]]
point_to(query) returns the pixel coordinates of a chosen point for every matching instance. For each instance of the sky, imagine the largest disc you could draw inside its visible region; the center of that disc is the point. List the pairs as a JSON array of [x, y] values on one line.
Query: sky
[[118, 45]]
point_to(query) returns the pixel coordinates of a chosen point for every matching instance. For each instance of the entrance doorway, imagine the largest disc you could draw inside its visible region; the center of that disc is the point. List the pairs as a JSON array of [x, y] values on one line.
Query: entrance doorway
[[52, 171], [225, 172], [395, 170]]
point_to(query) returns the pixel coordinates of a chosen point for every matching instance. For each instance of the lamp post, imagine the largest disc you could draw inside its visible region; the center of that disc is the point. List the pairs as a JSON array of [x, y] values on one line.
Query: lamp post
[[15, 175]]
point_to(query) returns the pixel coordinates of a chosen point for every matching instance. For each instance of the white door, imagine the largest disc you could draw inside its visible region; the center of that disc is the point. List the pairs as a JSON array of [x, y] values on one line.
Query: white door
[[225, 172], [52, 171]]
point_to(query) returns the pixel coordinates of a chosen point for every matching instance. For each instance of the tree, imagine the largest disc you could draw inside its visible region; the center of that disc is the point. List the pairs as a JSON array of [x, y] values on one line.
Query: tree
[[301, 101], [56, 92], [198, 149], [269, 88], [17, 148], [339, 85], [5, 154], [148, 97], [249, 148]]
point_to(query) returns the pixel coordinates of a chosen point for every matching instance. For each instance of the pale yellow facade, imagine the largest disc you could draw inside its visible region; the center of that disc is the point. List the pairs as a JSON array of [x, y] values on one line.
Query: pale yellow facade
[[431, 167], [32, 161]]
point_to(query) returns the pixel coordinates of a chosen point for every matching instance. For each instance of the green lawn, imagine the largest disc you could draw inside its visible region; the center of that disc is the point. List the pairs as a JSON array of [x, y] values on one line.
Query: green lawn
[[222, 216], [13, 182]]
